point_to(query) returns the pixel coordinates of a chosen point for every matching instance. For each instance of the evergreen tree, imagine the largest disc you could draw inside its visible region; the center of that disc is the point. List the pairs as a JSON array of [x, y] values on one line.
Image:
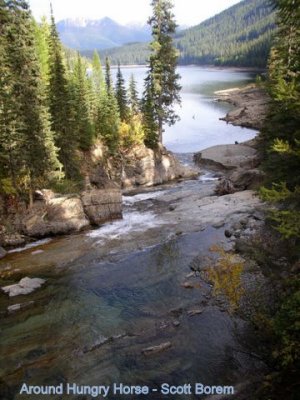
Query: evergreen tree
[[97, 76], [83, 130], [42, 33], [108, 78], [62, 118], [133, 96], [121, 96], [162, 69], [150, 120], [108, 123], [26, 140]]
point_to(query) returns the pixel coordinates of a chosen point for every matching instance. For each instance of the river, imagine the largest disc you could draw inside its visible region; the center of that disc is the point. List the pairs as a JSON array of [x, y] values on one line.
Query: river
[[116, 290]]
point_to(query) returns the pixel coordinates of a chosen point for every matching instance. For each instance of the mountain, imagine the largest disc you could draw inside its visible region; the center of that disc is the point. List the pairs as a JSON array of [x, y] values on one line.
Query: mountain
[[83, 34], [238, 36]]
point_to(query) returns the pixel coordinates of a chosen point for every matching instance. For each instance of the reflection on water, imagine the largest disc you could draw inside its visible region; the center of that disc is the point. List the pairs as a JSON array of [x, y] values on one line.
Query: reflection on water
[[200, 126]]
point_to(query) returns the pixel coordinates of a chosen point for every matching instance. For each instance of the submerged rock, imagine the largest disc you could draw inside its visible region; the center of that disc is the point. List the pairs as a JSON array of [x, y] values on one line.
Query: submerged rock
[[25, 286], [2, 252], [156, 349]]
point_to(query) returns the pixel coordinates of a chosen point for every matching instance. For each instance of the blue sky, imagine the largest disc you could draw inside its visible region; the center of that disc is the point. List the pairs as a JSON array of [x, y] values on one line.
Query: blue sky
[[187, 12]]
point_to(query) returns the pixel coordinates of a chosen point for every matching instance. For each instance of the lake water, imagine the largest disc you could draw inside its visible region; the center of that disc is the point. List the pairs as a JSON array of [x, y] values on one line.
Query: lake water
[[199, 126], [116, 290]]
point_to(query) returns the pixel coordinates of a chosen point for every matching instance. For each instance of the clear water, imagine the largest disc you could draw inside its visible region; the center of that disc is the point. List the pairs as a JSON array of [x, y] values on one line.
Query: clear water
[[116, 290]]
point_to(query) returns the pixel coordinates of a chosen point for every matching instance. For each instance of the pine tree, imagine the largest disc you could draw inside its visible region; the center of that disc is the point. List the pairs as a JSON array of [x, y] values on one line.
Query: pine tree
[[62, 118], [121, 96], [83, 130], [26, 139], [150, 120], [97, 76], [133, 96], [108, 78], [42, 33], [162, 68], [108, 123]]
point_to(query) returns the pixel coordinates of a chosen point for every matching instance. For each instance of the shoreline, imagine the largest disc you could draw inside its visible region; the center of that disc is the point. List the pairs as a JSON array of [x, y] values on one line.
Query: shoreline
[[250, 106]]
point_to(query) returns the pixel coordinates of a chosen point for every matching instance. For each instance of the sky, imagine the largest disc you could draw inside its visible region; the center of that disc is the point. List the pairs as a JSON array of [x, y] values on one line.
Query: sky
[[187, 12]]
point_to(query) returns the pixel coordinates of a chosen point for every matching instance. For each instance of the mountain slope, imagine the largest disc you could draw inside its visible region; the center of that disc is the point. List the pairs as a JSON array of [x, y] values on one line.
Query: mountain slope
[[238, 36], [81, 34]]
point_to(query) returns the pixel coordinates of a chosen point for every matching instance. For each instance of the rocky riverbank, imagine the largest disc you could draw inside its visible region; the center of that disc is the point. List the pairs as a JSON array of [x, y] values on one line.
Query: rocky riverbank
[[106, 178], [250, 106]]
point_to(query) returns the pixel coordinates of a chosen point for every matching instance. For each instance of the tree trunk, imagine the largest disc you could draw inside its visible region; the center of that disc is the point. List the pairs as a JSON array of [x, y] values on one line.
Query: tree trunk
[[160, 132]]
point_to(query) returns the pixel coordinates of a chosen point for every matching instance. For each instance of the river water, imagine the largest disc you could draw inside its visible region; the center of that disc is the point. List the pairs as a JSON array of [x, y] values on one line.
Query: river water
[[116, 290]]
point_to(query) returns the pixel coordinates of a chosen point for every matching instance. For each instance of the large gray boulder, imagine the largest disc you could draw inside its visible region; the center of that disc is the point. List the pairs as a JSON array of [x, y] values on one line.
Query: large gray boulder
[[146, 167], [247, 179], [55, 216], [227, 157], [102, 205]]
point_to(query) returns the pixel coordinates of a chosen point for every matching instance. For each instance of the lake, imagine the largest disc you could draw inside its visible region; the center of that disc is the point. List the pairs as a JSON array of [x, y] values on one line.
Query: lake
[[199, 126]]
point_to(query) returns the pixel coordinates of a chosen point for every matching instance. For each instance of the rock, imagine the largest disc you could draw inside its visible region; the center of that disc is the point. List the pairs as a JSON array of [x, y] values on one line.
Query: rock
[[101, 205], [251, 106], [56, 216], [176, 323], [17, 307], [172, 208], [247, 179], [2, 252], [228, 233], [156, 349], [25, 286], [187, 285], [146, 167], [225, 186], [13, 240], [196, 311], [227, 157]]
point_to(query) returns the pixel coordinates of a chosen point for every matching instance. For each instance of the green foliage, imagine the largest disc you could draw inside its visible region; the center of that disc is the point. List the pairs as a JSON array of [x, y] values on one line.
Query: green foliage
[[62, 118], [83, 129], [162, 82], [226, 276], [287, 330], [131, 133], [121, 96], [134, 103], [27, 148]]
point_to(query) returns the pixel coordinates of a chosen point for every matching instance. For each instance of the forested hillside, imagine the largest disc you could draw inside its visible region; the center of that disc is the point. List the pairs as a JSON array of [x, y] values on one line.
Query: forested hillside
[[238, 36]]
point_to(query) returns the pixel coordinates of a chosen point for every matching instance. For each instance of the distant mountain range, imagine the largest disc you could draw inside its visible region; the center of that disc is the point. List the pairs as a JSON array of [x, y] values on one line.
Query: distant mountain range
[[238, 36], [83, 34]]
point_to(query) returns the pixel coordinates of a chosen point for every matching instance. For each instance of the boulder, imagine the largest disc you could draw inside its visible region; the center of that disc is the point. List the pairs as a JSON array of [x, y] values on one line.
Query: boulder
[[55, 216], [225, 186], [247, 179], [102, 205], [2, 252], [25, 286], [227, 157], [146, 167]]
